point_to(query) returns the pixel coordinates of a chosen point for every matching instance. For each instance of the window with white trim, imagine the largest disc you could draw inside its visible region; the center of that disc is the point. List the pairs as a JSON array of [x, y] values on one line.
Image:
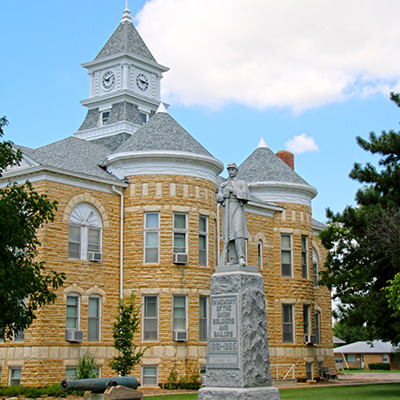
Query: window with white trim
[[286, 255], [287, 323], [149, 375], [179, 313], [84, 232], [105, 115], [317, 325], [73, 305], [304, 256], [309, 371], [350, 357], [15, 376], [70, 372], [385, 358], [203, 235], [180, 233], [260, 253], [203, 318], [151, 238], [315, 268], [94, 314], [306, 319], [150, 317]]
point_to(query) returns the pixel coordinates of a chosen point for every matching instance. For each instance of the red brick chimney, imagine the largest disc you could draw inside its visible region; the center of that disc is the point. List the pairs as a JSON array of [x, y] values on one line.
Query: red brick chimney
[[287, 157]]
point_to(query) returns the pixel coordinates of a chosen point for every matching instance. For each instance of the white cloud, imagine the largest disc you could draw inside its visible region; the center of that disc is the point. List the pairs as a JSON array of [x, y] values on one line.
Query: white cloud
[[301, 144], [267, 53]]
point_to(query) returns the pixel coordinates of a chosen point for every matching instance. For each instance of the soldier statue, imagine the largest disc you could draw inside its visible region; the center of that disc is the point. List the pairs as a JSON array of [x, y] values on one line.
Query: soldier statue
[[234, 194]]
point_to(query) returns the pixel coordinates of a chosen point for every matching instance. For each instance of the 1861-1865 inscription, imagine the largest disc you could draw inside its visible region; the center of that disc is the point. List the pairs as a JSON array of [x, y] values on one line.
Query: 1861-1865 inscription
[[223, 339]]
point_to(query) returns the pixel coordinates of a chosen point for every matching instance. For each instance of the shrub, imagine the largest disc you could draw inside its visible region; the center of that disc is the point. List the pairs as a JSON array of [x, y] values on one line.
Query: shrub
[[87, 367], [32, 392], [382, 366]]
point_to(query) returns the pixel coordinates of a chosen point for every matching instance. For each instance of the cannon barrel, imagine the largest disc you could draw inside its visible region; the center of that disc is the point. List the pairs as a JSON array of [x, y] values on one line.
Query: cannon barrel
[[98, 385]]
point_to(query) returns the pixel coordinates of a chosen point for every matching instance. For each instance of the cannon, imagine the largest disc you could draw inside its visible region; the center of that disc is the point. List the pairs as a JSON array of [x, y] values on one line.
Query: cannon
[[99, 385]]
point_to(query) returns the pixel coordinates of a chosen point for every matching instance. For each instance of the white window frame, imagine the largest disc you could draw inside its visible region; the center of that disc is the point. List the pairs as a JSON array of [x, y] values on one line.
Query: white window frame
[[86, 218], [317, 326], [309, 371], [146, 318], [98, 318], [288, 323], [304, 256], [104, 118], [11, 375], [78, 306], [180, 231], [260, 253], [203, 319], [151, 230], [351, 357], [203, 234], [289, 250], [306, 319], [70, 372], [174, 297], [154, 377], [385, 358], [315, 268]]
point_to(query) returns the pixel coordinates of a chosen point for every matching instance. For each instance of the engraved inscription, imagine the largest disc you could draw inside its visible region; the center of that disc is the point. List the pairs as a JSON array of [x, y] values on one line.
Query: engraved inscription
[[223, 342]]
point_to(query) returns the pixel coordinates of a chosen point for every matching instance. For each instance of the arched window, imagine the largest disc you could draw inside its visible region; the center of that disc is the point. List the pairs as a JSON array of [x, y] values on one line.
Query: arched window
[[315, 267], [84, 240]]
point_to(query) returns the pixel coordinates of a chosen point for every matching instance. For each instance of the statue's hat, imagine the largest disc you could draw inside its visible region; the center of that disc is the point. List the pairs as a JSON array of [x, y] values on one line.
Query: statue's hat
[[232, 165]]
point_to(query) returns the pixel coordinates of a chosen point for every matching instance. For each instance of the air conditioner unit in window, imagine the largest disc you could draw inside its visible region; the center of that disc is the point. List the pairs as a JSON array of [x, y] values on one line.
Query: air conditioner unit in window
[[309, 339], [180, 335], [73, 336], [181, 258], [93, 256]]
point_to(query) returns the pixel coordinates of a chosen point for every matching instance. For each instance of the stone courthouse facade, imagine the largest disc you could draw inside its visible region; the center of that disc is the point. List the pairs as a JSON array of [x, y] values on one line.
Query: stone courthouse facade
[[137, 212]]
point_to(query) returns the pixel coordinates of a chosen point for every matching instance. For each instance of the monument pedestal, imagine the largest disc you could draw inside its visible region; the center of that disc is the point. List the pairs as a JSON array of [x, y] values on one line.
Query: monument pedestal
[[238, 364]]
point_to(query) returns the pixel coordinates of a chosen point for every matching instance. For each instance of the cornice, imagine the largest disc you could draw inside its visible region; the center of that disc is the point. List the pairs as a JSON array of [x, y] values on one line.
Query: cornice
[[108, 130]]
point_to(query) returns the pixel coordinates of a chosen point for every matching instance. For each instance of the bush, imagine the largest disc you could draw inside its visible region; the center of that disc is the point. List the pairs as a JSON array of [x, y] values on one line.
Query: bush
[[382, 366], [32, 392]]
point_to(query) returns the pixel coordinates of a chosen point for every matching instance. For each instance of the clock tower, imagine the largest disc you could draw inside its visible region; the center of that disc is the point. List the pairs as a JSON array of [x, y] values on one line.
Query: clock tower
[[124, 87]]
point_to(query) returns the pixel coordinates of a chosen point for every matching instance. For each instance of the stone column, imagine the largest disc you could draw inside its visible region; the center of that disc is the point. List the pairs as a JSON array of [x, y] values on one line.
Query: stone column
[[238, 365]]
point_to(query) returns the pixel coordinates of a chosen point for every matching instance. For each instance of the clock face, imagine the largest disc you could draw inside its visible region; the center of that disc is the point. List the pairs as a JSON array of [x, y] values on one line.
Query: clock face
[[142, 82], [108, 80]]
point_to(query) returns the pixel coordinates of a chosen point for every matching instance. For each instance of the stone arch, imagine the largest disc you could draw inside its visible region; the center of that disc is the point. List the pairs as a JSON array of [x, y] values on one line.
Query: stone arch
[[74, 288], [86, 198], [96, 290]]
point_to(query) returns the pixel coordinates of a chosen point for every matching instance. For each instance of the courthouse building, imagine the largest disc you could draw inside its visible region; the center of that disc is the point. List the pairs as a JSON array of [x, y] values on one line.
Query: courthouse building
[[137, 212]]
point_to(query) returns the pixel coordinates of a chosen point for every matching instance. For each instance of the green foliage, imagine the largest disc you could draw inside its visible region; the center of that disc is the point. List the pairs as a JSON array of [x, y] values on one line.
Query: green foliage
[[382, 366], [364, 242], [175, 382], [87, 367], [25, 284], [127, 323], [32, 392], [349, 334]]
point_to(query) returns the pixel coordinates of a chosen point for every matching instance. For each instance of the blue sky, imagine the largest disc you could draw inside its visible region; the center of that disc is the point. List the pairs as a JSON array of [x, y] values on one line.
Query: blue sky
[[239, 70]]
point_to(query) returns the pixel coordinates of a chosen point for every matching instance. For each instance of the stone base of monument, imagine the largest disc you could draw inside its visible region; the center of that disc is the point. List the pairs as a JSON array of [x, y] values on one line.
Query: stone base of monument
[[115, 393], [262, 393], [238, 364]]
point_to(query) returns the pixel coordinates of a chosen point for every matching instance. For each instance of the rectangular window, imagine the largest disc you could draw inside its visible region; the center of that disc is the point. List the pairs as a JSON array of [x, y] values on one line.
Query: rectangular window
[[350, 357], [104, 117], [72, 312], [304, 256], [286, 255], [151, 238], [94, 319], [15, 376], [144, 117], [203, 312], [309, 371], [94, 239], [180, 233], [150, 317], [315, 268], [287, 324], [74, 242], [70, 372], [317, 327], [306, 319], [203, 241], [149, 375], [260, 254], [179, 313], [385, 358]]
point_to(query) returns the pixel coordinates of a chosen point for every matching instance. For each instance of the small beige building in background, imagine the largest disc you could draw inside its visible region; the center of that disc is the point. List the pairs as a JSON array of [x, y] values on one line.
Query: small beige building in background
[[137, 212]]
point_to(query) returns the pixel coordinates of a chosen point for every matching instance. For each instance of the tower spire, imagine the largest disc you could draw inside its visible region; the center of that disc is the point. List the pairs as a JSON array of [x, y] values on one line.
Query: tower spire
[[126, 16]]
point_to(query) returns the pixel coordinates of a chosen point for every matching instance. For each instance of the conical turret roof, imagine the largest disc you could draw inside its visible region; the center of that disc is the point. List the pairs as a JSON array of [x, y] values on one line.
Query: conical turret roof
[[126, 40]]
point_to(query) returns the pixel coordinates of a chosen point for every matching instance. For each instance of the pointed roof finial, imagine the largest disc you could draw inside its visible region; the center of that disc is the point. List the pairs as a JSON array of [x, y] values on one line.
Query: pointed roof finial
[[262, 143], [127, 14]]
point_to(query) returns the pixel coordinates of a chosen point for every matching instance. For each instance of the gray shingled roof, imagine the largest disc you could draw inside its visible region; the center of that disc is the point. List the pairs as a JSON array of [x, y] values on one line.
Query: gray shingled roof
[[263, 165], [163, 133], [319, 226], [72, 155], [376, 346], [125, 39]]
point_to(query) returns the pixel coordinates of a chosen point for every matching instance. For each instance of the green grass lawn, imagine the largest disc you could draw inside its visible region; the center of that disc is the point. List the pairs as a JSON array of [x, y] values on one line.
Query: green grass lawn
[[359, 392]]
